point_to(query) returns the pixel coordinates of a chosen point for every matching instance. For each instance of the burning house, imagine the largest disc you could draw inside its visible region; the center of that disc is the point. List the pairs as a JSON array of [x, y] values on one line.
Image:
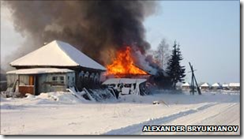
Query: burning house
[[110, 32], [55, 66], [128, 74]]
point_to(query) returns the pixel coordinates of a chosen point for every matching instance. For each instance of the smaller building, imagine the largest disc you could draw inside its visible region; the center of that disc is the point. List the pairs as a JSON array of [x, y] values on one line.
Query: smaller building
[[37, 80], [225, 86], [234, 86], [205, 86], [185, 86], [216, 86]]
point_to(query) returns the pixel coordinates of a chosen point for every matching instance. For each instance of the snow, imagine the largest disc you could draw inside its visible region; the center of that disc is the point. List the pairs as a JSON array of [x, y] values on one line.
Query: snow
[[216, 85], [57, 53], [39, 71], [205, 85], [185, 84], [225, 85], [234, 84], [62, 113]]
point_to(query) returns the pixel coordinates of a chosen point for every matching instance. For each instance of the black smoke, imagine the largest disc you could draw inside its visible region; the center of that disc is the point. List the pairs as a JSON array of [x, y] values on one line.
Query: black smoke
[[94, 27]]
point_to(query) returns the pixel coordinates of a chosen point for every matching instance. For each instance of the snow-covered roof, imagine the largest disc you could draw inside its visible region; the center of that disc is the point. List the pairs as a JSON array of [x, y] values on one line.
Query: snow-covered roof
[[39, 71], [216, 85], [205, 85], [185, 84], [123, 80], [234, 84], [225, 85], [57, 53]]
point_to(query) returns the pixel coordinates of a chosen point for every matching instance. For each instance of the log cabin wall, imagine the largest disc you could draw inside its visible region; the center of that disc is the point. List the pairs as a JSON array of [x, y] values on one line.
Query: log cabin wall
[[84, 77], [55, 82], [39, 83]]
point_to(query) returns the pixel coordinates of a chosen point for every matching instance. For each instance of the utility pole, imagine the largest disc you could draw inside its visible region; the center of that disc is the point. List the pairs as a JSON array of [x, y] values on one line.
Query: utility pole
[[193, 82]]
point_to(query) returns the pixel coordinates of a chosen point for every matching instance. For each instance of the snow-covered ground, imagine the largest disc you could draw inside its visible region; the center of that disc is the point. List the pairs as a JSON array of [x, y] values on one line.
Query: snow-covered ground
[[61, 113]]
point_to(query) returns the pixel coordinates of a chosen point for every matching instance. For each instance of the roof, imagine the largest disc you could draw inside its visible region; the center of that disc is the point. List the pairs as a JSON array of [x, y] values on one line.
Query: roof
[[234, 84], [57, 53], [185, 84], [205, 85], [216, 85], [123, 80], [225, 85], [39, 71]]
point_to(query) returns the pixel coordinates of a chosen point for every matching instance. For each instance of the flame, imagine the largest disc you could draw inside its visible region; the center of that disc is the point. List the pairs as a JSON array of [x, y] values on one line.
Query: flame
[[124, 64]]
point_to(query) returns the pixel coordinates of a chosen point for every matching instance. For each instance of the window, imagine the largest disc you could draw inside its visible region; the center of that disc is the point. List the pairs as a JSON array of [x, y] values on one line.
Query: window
[[58, 79], [127, 85], [61, 77], [87, 74], [54, 78], [112, 85]]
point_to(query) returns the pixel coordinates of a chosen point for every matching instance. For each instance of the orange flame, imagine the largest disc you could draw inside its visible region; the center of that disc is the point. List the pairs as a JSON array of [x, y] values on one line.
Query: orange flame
[[124, 64]]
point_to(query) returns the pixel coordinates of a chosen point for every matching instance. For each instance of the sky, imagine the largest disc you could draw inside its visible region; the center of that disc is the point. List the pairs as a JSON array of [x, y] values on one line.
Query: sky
[[208, 33]]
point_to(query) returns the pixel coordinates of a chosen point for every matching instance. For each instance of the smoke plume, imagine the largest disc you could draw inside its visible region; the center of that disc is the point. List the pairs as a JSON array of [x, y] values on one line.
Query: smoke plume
[[95, 27]]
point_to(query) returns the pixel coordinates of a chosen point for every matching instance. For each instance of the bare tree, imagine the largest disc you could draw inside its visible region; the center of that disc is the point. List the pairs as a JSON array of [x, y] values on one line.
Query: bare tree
[[162, 54]]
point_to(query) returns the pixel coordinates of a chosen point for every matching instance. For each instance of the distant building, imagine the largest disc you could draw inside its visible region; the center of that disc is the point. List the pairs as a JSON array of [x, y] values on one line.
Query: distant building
[[216, 86], [205, 86], [225, 86], [185, 86], [234, 86], [54, 64]]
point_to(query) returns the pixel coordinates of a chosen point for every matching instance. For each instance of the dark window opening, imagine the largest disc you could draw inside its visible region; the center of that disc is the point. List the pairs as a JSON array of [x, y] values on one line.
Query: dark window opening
[[54, 78], [127, 85]]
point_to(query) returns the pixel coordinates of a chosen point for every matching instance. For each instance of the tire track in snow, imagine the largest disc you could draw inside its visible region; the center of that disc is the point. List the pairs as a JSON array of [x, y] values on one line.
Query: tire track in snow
[[228, 109], [137, 128]]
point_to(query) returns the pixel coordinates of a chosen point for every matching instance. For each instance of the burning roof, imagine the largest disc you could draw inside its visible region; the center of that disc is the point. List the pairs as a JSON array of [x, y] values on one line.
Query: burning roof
[[124, 64]]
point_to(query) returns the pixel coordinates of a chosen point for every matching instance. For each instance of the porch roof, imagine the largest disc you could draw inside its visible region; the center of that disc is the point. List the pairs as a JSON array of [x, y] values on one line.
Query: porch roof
[[39, 71]]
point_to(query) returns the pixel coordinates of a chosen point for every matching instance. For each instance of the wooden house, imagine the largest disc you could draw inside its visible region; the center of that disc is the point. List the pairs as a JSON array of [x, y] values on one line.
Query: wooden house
[[234, 86], [185, 86], [205, 86], [61, 55], [225, 86], [216, 86]]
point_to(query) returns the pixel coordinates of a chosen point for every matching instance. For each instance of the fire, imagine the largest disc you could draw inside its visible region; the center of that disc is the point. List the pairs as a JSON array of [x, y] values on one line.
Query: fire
[[124, 64]]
